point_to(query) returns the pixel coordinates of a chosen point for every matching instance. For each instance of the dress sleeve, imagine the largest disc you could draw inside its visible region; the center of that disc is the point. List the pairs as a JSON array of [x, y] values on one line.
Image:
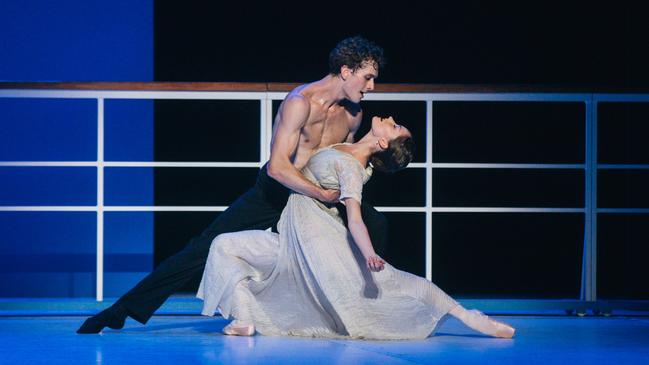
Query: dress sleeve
[[350, 178]]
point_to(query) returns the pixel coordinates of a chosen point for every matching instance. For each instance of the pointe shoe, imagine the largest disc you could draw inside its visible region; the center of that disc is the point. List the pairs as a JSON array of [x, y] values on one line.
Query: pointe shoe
[[503, 330], [236, 328], [482, 323]]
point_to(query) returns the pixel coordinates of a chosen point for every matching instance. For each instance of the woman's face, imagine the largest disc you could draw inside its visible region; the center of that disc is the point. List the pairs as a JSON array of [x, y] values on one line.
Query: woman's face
[[388, 129]]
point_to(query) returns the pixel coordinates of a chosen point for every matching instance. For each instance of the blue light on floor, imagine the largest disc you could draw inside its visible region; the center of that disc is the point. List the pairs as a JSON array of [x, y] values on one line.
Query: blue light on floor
[[198, 340]]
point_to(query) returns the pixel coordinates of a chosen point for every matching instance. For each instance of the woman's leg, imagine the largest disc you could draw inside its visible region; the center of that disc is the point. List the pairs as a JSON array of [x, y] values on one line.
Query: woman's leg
[[235, 260]]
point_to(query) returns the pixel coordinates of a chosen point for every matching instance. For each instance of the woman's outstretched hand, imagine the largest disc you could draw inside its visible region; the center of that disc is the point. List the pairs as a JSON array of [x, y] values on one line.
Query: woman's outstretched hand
[[375, 263]]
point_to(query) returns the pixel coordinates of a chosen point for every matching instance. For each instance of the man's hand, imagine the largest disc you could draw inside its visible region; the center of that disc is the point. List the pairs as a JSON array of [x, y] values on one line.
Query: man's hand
[[329, 195]]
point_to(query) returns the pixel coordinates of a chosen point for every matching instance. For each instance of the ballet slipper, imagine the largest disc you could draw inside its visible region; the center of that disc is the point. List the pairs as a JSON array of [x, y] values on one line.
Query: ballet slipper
[[236, 328], [483, 324], [503, 330]]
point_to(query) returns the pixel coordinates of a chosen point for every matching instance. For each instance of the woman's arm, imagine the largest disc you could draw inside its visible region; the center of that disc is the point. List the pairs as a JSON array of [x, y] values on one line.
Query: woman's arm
[[361, 237]]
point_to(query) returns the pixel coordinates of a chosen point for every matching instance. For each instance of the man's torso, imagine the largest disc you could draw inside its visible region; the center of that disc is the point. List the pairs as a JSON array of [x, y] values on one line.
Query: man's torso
[[323, 127]]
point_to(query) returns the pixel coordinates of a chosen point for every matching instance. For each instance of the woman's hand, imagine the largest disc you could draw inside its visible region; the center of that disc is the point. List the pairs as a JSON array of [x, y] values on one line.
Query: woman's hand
[[375, 263], [361, 237]]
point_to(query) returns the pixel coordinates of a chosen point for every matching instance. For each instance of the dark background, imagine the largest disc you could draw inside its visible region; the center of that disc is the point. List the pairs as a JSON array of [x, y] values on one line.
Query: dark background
[[569, 42]]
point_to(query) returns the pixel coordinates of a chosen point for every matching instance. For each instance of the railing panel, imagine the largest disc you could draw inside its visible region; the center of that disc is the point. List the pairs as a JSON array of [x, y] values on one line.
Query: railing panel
[[565, 121]]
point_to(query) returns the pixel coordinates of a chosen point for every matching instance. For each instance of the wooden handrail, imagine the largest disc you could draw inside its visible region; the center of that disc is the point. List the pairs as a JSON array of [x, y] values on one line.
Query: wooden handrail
[[283, 87]]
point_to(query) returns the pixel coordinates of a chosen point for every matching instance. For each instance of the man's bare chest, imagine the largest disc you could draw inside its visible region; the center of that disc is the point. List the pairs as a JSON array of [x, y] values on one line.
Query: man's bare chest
[[326, 130]]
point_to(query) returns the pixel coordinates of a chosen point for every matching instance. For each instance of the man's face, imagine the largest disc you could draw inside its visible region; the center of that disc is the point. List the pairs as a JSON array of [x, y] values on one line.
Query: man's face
[[357, 83]]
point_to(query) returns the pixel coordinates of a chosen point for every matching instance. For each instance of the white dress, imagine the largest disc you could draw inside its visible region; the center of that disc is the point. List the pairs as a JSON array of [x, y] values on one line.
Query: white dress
[[311, 279]]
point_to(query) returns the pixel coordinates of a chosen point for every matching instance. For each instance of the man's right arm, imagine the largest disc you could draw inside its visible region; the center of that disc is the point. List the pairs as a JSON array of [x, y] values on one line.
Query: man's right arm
[[284, 144]]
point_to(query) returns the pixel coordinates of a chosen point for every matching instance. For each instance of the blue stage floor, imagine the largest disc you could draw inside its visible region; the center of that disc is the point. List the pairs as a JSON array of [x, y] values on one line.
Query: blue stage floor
[[197, 340]]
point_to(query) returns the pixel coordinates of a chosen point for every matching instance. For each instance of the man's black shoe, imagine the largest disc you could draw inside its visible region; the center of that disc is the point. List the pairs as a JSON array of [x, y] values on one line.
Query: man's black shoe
[[111, 317]]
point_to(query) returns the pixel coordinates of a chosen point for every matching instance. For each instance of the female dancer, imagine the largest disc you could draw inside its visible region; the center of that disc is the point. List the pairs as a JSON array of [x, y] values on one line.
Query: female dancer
[[319, 278]]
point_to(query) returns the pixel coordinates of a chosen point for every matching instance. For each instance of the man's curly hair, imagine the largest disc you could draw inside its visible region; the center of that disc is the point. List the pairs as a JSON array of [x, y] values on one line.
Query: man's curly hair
[[353, 52]]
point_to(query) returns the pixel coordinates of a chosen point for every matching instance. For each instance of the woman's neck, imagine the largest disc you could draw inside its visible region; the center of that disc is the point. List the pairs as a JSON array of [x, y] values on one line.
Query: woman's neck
[[361, 150]]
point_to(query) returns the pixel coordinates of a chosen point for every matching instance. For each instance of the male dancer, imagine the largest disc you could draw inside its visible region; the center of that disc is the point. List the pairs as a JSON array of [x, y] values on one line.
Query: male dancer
[[312, 116]]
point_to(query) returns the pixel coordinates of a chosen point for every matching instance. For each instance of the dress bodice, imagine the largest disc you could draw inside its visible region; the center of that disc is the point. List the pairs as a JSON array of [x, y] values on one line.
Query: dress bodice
[[333, 169]]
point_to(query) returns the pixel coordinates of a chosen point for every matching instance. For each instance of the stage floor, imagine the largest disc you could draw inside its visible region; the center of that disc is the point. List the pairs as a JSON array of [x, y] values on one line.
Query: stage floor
[[198, 340]]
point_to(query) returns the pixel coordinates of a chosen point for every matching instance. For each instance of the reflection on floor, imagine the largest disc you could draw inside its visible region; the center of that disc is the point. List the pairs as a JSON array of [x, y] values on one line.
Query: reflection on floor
[[198, 340]]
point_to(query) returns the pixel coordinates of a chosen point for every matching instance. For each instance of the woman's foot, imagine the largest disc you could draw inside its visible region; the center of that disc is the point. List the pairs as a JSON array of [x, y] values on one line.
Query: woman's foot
[[482, 323], [236, 328], [503, 330]]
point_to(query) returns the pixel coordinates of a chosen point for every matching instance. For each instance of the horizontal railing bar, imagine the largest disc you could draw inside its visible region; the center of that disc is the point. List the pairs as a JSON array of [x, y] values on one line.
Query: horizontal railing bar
[[109, 208], [558, 97], [50, 163], [438, 165], [506, 166], [113, 94], [623, 166], [244, 95], [402, 209], [183, 164], [219, 208], [622, 210], [504, 210], [403, 96], [288, 86], [639, 97], [145, 164], [91, 208]]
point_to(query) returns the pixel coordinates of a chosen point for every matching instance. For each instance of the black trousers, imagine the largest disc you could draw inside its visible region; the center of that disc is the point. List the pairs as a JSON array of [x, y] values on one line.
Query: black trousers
[[259, 208]]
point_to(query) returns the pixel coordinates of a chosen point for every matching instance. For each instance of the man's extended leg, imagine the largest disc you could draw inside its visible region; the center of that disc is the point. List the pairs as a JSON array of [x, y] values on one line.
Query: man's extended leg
[[253, 210], [248, 212]]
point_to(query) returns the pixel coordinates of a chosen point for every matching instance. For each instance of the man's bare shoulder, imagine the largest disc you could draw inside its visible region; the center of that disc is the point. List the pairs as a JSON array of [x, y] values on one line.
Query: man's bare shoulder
[[296, 101], [304, 91]]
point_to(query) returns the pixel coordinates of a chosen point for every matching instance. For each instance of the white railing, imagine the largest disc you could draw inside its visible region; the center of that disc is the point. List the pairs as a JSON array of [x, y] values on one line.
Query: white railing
[[590, 167]]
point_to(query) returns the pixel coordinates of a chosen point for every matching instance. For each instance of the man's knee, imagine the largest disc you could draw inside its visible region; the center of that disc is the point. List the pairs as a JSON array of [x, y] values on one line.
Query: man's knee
[[198, 247]]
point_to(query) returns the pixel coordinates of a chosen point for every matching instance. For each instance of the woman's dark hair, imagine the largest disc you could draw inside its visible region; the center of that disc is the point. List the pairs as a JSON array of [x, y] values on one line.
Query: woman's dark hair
[[352, 52], [394, 158]]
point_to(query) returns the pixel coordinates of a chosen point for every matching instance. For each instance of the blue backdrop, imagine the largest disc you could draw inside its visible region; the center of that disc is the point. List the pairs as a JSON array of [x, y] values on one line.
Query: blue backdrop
[[52, 254]]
